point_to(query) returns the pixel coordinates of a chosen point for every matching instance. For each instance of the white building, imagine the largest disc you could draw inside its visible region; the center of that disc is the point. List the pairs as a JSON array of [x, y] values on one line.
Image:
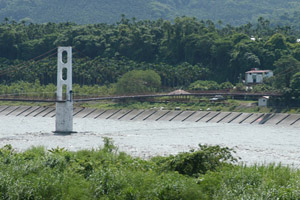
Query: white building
[[256, 76], [263, 101]]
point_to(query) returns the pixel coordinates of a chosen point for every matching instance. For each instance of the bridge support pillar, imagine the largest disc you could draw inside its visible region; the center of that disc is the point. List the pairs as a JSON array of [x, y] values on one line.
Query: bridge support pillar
[[64, 109]]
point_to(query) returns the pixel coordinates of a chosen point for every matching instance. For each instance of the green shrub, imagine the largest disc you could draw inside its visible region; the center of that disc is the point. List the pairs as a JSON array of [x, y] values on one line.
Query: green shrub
[[36, 90], [204, 85], [138, 82], [240, 87], [206, 158], [105, 173], [226, 85], [254, 182], [262, 88]]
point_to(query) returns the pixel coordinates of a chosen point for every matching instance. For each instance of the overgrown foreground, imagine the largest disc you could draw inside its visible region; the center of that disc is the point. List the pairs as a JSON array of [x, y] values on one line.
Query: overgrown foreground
[[205, 173]]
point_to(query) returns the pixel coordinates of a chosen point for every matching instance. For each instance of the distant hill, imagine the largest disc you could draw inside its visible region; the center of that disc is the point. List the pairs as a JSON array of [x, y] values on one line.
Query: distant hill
[[234, 12]]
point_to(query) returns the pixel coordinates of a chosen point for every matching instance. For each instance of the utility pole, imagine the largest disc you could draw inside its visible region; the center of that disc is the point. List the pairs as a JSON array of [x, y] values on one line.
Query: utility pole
[[64, 105]]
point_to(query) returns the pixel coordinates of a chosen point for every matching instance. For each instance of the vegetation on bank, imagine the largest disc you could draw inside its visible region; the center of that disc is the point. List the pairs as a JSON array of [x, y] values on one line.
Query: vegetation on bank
[[181, 52], [208, 172], [38, 91], [111, 59], [109, 105], [205, 105]]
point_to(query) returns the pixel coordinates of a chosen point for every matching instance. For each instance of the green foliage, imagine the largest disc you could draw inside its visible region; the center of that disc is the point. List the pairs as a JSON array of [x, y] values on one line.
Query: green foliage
[[204, 85], [262, 88], [105, 173], [96, 174], [196, 162], [286, 67], [226, 85], [230, 12], [277, 41], [138, 82], [36, 90], [181, 52], [295, 84], [254, 182], [240, 87]]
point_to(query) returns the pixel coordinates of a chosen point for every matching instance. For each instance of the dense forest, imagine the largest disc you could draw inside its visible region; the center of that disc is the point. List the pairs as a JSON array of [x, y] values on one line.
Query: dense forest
[[234, 12], [181, 53]]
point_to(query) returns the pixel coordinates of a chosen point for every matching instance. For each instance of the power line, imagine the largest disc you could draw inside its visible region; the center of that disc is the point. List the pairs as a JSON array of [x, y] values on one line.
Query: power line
[[4, 72], [22, 65]]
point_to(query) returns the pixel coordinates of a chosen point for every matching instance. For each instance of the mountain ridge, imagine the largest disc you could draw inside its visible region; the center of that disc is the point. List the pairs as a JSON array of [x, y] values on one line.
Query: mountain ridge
[[234, 12]]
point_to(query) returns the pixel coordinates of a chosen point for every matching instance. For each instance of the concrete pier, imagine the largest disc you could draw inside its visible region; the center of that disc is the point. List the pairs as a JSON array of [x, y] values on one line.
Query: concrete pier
[[64, 110]]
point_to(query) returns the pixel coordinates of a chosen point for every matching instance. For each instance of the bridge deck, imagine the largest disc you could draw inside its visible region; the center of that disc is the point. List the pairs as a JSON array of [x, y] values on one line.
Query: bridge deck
[[198, 94]]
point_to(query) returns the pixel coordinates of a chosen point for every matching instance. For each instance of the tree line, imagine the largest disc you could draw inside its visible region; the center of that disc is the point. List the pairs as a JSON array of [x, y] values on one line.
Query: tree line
[[181, 52]]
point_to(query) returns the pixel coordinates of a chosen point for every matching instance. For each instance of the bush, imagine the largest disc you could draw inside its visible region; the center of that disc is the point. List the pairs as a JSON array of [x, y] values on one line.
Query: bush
[[262, 88], [107, 174], [138, 82], [97, 174], [240, 87], [206, 158], [204, 85], [226, 85]]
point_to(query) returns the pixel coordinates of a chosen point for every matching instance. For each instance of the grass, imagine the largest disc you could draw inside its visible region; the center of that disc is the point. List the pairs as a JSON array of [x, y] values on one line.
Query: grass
[[105, 173], [167, 103], [36, 90], [228, 106], [18, 103]]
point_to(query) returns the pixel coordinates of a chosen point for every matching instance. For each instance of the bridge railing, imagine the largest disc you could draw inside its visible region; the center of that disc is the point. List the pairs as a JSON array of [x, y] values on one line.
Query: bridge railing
[[51, 97]]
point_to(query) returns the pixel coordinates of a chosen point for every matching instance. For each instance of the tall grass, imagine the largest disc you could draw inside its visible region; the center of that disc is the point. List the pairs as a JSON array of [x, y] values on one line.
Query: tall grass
[[105, 173]]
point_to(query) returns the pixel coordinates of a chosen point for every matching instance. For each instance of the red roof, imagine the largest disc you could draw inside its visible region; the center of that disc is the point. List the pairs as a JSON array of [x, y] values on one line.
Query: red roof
[[258, 71]]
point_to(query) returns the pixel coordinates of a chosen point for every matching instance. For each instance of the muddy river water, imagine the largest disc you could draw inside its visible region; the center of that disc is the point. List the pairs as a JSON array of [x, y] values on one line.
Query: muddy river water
[[259, 144]]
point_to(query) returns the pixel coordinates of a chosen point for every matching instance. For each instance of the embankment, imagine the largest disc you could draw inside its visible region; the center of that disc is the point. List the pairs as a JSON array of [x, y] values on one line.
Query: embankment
[[159, 115]]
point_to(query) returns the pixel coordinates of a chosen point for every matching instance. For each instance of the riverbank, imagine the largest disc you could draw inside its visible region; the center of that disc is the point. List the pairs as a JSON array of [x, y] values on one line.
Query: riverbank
[[224, 106], [145, 139], [155, 114], [208, 172], [38, 162]]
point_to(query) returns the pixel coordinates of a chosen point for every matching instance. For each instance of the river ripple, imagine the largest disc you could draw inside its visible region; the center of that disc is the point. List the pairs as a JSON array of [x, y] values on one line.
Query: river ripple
[[259, 144]]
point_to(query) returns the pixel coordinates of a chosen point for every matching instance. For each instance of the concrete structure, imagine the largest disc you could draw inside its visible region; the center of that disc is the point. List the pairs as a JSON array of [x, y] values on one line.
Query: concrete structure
[[281, 119], [263, 101], [256, 76], [64, 109]]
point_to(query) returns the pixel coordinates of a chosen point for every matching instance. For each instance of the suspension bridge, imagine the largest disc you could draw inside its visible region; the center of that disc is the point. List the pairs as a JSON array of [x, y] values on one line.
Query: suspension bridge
[[143, 96], [64, 102], [44, 97]]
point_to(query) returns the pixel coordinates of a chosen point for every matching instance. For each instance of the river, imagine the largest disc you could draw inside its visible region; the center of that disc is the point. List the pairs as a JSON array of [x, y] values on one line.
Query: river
[[255, 144]]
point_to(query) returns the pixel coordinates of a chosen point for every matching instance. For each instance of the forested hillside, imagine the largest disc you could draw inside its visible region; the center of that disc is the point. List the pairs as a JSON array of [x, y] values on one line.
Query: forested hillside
[[234, 12], [181, 53]]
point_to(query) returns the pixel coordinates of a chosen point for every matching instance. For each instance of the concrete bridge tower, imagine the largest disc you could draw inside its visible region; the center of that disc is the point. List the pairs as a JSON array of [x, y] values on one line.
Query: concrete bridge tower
[[64, 109]]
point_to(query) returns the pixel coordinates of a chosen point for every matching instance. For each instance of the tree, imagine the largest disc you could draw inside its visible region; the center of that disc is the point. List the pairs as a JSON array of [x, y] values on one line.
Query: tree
[[285, 68], [138, 82], [295, 84], [277, 41], [204, 85]]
